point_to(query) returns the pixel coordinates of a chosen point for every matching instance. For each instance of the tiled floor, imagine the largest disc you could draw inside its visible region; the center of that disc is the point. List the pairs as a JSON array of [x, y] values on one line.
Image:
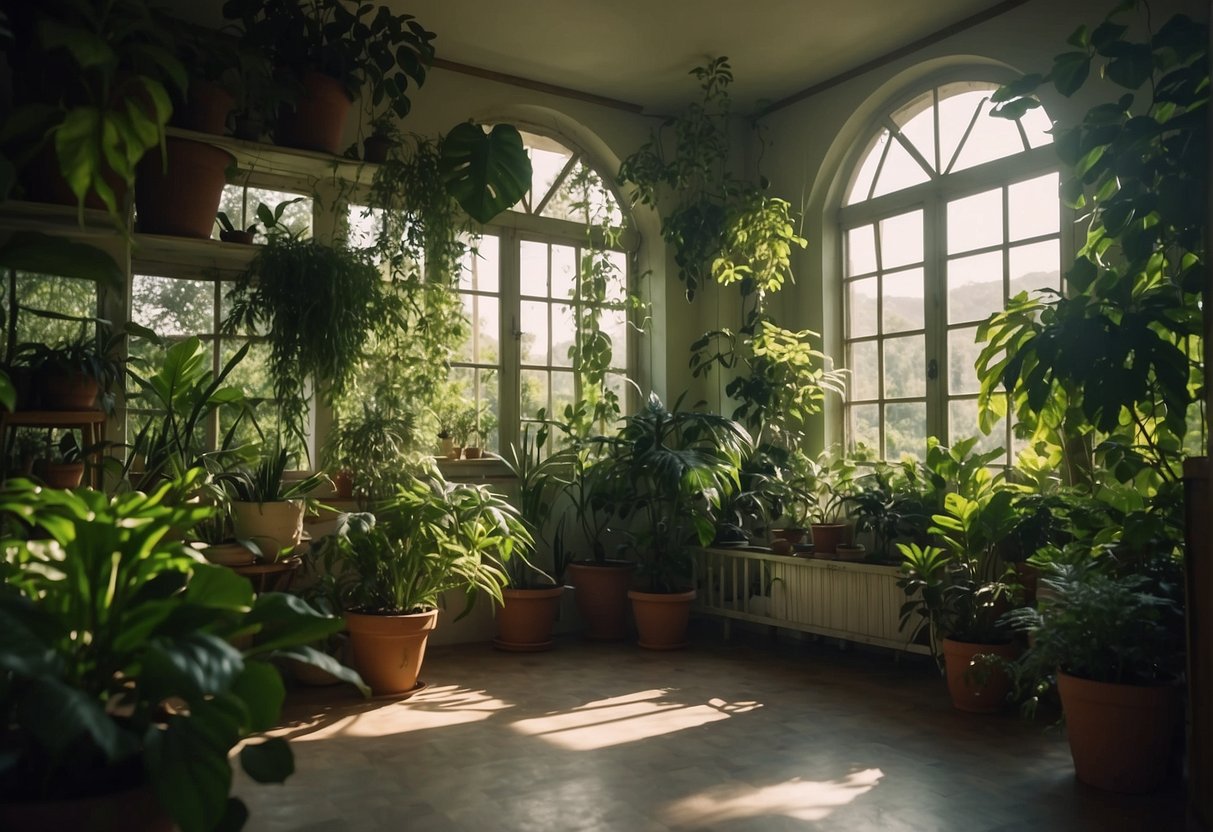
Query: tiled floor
[[727, 736]]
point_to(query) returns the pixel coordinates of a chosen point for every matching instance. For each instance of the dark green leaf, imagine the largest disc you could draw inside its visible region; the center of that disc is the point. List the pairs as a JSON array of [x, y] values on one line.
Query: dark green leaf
[[259, 686], [486, 173], [1132, 69], [270, 761]]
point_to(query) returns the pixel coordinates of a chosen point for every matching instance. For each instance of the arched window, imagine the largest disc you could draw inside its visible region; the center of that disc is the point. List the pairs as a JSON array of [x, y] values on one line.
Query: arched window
[[949, 212]]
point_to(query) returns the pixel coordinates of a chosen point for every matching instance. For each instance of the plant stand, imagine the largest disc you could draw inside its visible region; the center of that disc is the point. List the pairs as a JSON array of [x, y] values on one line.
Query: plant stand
[[89, 422], [270, 577]]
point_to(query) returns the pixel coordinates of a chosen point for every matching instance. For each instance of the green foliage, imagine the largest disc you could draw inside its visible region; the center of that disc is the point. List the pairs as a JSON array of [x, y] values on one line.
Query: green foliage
[[1113, 371], [105, 620], [266, 481], [667, 472], [374, 446], [318, 306], [485, 172], [89, 353], [96, 82], [540, 478], [365, 47], [429, 537], [1102, 621]]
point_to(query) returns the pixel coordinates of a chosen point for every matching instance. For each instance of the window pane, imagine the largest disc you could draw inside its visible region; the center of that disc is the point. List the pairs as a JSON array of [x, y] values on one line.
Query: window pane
[[617, 277], [1037, 125], [482, 265], [917, 123], [864, 425], [861, 308], [957, 103], [169, 306], [903, 367], [900, 171], [861, 250], [362, 225], [1035, 266], [533, 265], [901, 240], [488, 389], [564, 271], [905, 429], [533, 392], [548, 158], [962, 423], [963, 350], [534, 342], [867, 170], [252, 375], [865, 372], [563, 391], [975, 221], [614, 323], [483, 313], [564, 334], [902, 301], [974, 287], [1034, 207], [65, 295], [241, 210], [583, 197], [991, 138]]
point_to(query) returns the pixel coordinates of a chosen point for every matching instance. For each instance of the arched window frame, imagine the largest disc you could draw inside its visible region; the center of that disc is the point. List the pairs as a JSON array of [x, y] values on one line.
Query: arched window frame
[[931, 197]]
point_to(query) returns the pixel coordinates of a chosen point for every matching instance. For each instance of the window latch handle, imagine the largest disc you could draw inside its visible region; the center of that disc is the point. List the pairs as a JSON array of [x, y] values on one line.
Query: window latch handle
[[932, 369]]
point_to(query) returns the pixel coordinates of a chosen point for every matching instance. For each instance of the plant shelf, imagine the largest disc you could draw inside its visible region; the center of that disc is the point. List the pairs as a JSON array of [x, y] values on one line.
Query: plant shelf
[[284, 161]]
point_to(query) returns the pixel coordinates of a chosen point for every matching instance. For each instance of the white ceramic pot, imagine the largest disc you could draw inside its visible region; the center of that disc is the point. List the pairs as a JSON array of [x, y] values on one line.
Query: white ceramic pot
[[272, 526]]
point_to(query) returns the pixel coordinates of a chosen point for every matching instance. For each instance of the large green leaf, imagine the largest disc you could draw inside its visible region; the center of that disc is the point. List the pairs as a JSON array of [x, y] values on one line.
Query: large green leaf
[[486, 173], [270, 761], [188, 766], [284, 620], [325, 662], [260, 687], [32, 251], [60, 715]]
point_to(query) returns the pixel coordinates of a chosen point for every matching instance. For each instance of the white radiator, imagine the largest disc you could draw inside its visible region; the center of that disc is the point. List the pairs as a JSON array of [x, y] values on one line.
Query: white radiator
[[854, 601]]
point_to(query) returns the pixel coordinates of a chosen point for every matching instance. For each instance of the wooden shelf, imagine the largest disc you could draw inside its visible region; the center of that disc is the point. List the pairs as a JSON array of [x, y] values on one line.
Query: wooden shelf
[[52, 418], [284, 161], [158, 249]]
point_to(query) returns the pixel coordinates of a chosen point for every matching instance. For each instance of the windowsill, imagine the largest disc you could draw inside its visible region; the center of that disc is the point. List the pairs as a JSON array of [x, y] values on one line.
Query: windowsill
[[465, 470]]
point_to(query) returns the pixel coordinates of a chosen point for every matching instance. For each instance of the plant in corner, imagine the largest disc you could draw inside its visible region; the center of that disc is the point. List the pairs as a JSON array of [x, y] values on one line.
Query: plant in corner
[[388, 571], [124, 697], [670, 470]]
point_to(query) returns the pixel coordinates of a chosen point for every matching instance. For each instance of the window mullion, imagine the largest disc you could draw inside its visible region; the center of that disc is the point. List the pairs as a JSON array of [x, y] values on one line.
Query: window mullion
[[509, 325], [935, 315]]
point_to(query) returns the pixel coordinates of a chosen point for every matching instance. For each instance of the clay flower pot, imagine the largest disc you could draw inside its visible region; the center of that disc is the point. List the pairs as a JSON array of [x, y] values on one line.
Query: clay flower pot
[[244, 238], [1120, 735], [376, 148], [343, 483], [229, 554], [472, 452], [827, 536], [525, 620], [74, 391], [181, 199], [976, 687], [791, 535], [60, 474], [206, 108], [318, 120], [601, 593], [388, 650], [661, 618]]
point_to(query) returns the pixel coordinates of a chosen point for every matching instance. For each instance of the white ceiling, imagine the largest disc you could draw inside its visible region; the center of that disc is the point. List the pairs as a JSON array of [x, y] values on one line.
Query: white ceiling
[[640, 51]]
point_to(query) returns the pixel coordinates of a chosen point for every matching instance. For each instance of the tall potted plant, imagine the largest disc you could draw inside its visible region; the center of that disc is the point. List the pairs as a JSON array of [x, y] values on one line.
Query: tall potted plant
[[389, 571], [671, 469], [89, 665], [1110, 635], [531, 599]]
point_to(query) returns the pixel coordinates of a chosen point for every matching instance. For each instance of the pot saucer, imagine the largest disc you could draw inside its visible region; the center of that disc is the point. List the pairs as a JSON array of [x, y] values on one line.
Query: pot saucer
[[413, 691]]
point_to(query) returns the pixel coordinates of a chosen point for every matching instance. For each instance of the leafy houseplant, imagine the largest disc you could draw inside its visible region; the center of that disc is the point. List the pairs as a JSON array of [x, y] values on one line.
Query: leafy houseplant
[[269, 221], [1111, 636], [266, 507], [62, 463], [318, 305], [389, 571], [670, 469], [90, 664], [75, 373], [373, 447], [336, 52]]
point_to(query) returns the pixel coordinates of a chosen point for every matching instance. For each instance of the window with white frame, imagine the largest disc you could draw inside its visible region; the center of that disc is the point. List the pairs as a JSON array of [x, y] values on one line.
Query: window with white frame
[[950, 212]]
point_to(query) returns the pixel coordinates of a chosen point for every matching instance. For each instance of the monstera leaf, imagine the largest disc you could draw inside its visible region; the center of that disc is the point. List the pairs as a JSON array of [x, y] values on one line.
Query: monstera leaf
[[486, 173]]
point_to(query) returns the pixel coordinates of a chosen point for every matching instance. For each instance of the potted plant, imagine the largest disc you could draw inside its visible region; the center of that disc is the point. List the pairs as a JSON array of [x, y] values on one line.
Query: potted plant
[[82, 65], [960, 593], [88, 742], [62, 463], [178, 188], [830, 482], [212, 59], [215, 537], [385, 136], [531, 599], [266, 507], [74, 374], [335, 52], [1109, 632], [372, 447], [388, 571], [269, 221], [671, 468]]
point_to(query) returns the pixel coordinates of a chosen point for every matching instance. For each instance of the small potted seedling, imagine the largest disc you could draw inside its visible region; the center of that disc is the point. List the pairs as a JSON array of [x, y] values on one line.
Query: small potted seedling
[[269, 222], [384, 137], [62, 465]]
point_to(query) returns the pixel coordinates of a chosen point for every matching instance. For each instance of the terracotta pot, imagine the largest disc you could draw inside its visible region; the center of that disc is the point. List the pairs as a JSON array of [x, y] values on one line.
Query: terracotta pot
[[1120, 735], [376, 148], [525, 620], [343, 482], [181, 200], [206, 108], [74, 391], [318, 120], [272, 526], [984, 690], [661, 618], [472, 452], [601, 593], [244, 238], [387, 650], [44, 182], [850, 551], [60, 474], [827, 536], [125, 811], [456, 452], [228, 554]]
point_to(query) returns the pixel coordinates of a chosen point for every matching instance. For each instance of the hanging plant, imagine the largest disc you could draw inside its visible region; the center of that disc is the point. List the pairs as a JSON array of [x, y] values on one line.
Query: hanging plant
[[318, 306]]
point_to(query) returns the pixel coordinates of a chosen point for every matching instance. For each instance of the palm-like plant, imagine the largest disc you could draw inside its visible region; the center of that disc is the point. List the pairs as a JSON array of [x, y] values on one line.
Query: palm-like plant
[[540, 481], [670, 470]]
